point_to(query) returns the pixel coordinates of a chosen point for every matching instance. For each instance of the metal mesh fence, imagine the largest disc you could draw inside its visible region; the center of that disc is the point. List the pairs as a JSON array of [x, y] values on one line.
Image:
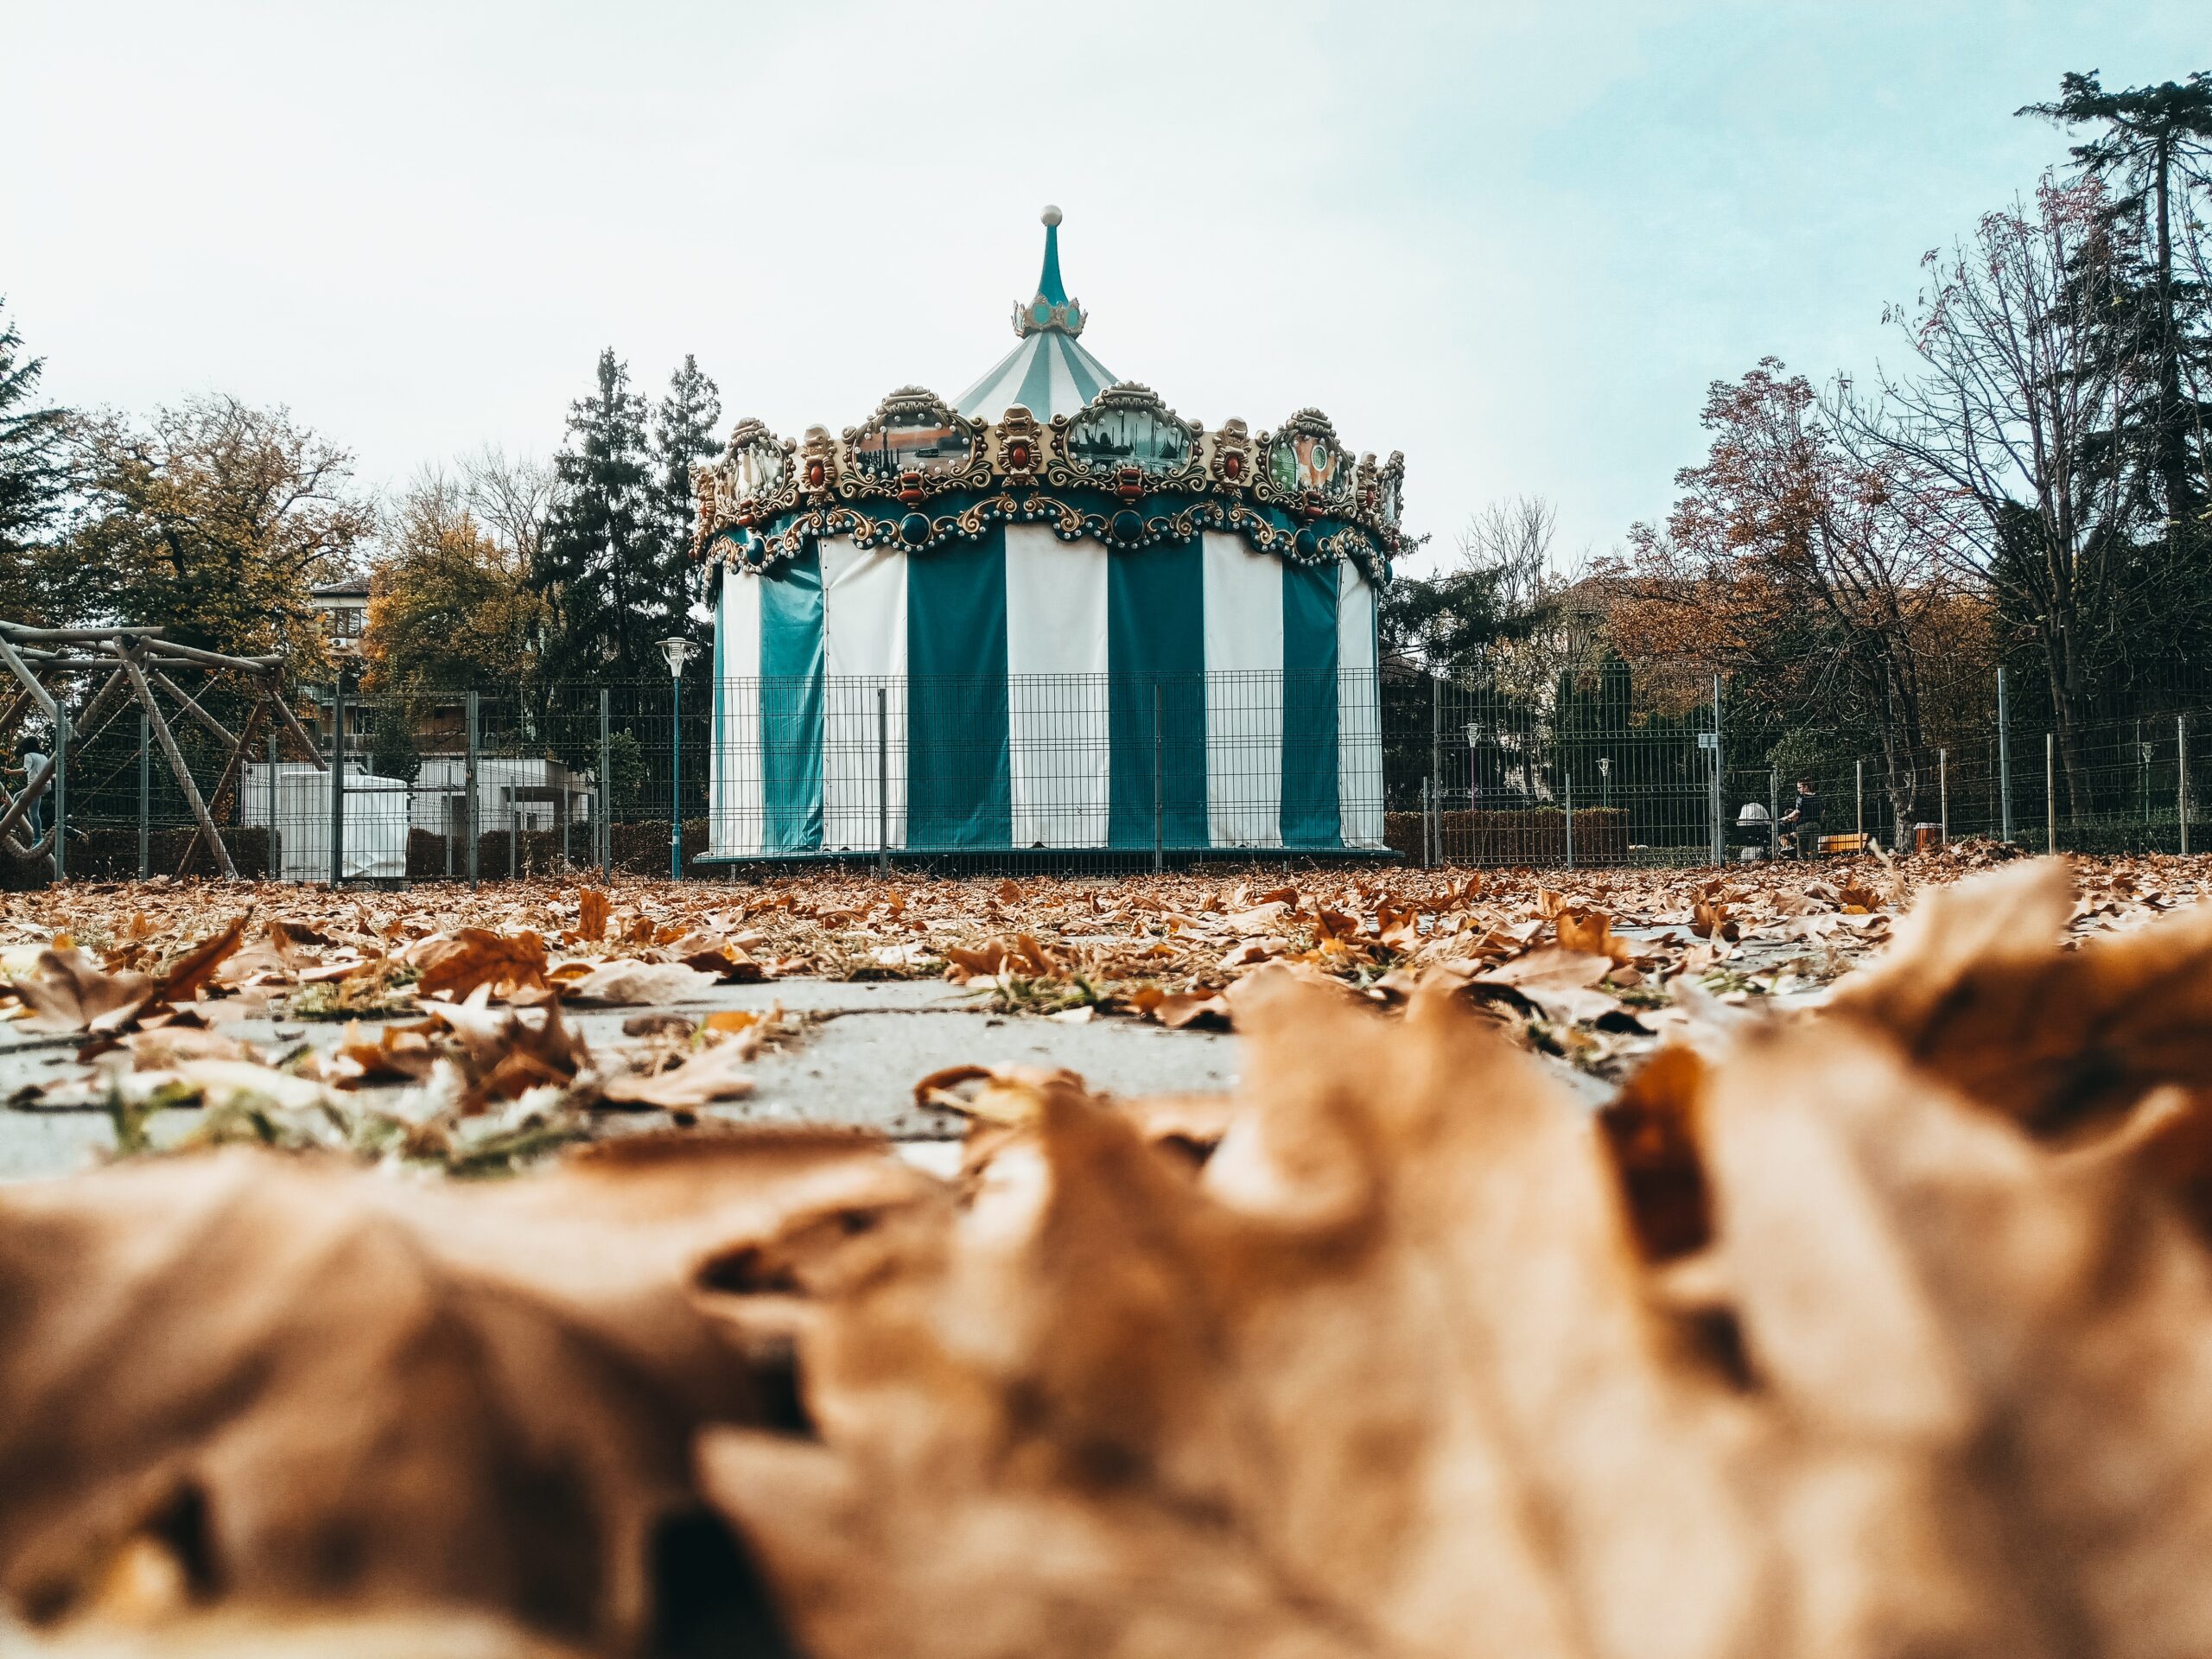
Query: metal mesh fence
[[1109, 772]]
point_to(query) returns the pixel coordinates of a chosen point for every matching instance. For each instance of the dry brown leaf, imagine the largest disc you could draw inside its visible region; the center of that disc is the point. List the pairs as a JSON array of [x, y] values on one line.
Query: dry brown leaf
[[321, 1386], [1978, 990], [182, 980], [628, 982], [66, 992], [592, 913], [1591, 933], [477, 956], [713, 1074]]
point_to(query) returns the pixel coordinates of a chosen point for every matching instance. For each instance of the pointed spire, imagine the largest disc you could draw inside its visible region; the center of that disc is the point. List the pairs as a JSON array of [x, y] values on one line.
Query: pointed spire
[[1048, 283], [1052, 308]]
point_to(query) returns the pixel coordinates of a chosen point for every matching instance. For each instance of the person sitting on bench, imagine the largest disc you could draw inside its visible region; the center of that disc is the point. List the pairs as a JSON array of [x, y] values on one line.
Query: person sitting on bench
[[1806, 816]]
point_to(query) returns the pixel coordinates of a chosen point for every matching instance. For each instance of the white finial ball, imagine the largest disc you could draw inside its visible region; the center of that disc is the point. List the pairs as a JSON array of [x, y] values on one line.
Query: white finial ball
[[1051, 214]]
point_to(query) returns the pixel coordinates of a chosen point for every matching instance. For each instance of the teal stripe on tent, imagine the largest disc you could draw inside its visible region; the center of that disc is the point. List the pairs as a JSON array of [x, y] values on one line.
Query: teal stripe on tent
[[1156, 645], [719, 767], [1309, 706], [959, 791], [791, 704], [1036, 393]]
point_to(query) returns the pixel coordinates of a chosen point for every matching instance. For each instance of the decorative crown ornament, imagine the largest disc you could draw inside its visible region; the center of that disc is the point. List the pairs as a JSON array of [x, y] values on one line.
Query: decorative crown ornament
[[1052, 308]]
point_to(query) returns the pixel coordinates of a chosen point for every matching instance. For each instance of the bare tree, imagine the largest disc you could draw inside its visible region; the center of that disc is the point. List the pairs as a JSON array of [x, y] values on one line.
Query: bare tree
[[2007, 423], [511, 496]]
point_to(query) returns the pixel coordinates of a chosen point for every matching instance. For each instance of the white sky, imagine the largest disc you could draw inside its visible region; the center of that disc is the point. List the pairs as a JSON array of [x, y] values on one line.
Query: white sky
[[1514, 240]]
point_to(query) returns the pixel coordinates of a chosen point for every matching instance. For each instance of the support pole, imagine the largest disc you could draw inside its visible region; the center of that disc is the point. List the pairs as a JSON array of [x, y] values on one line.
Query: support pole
[[468, 783], [145, 797], [1858, 798], [601, 812], [1774, 814], [1427, 824], [61, 789], [1943, 798], [1570, 819], [2051, 792], [1719, 843], [882, 780], [2181, 777], [676, 776], [1159, 788], [1436, 759], [276, 866], [2004, 764], [337, 779]]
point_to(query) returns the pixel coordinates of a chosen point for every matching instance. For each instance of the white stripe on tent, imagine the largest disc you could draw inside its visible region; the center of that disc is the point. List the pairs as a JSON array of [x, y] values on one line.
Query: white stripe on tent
[[988, 399], [1088, 367], [1065, 396], [1359, 718], [864, 648], [1057, 710], [1243, 627], [735, 824]]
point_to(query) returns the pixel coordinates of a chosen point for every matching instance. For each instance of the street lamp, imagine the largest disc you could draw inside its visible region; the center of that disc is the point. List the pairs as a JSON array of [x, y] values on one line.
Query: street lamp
[[677, 651]]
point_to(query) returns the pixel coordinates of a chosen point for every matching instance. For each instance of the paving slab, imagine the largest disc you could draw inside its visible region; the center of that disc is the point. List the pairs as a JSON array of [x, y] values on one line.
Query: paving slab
[[853, 1053]]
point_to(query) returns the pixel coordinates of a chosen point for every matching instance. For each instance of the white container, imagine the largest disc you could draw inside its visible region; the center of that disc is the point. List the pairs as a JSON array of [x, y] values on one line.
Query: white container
[[377, 815]]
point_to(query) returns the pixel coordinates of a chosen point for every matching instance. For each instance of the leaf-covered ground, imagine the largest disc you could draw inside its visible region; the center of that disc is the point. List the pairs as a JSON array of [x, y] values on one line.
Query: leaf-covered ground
[[1872, 1317]]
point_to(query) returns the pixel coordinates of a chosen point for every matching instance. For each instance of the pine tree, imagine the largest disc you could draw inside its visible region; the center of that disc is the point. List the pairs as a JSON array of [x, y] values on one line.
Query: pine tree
[[599, 571], [683, 435], [2154, 150], [33, 475]]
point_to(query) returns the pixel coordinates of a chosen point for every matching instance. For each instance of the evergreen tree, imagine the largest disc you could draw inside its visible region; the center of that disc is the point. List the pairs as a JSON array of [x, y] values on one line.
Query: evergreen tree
[[2153, 150], [33, 475], [601, 570], [684, 436]]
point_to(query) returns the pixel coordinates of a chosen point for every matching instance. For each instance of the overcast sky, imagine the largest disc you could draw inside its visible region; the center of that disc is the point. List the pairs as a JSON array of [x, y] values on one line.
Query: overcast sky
[[1516, 241]]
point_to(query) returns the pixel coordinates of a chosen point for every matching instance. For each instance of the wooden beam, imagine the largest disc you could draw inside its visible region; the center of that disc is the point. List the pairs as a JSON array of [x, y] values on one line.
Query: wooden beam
[[201, 717], [291, 723], [22, 631], [164, 649], [219, 800], [183, 773], [29, 681]]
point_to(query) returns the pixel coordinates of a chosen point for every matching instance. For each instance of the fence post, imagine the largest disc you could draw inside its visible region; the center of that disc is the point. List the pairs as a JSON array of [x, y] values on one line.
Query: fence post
[[882, 780], [1428, 829], [1720, 843], [603, 811], [61, 789], [1570, 819], [1159, 790], [145, 796], [2051, 792], [1436, 759], [1943, 798], [514, 825], [2004, 764], [1774, 814], [469, 784], [2181, 777], [338, 778], [276, 864], [1858, 798]]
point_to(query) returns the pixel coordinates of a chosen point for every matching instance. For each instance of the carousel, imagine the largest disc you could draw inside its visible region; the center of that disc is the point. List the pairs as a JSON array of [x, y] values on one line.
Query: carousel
[[1051, 613]]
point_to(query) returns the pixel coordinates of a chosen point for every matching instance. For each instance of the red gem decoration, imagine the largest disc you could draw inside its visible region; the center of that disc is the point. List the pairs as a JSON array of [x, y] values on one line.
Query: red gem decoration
[[815, 473], [1019, 456]]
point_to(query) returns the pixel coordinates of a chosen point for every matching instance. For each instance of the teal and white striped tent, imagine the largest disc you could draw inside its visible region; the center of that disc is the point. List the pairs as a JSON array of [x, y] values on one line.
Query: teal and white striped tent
[[1048, 372], [1054, 615]]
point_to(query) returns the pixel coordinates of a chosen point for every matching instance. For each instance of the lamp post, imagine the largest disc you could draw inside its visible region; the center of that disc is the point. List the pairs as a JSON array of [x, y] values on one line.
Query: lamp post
[[677, 651]]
